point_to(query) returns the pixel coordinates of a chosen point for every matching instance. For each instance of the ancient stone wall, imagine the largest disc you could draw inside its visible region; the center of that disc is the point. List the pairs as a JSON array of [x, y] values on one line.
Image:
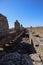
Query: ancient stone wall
[[3, 25], [17, 25]]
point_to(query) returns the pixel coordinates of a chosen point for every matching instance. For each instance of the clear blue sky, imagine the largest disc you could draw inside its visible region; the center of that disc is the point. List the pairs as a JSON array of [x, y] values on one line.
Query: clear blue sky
[[27, 12]]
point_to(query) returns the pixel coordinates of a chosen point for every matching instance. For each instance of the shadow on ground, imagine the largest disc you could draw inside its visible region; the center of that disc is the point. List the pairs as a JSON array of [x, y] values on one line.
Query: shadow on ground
[[21, 48], [17, 53]]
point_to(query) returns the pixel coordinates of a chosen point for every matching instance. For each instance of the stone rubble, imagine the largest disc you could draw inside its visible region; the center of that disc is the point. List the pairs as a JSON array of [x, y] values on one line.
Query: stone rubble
[[36, 59]]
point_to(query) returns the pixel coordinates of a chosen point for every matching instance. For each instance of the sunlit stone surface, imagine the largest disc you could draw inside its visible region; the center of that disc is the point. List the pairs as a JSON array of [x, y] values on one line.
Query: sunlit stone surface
[[3, 25]]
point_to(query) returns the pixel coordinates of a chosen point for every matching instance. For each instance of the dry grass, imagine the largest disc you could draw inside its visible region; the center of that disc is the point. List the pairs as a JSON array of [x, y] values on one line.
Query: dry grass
[[38, 30]]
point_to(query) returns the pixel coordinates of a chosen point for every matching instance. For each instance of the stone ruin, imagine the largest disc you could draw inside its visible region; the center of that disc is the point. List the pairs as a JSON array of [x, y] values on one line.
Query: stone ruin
[[17, 26], [3, 25]]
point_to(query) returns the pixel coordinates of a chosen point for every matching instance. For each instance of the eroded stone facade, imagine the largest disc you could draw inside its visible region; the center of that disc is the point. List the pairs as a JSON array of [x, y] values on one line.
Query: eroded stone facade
[[3, 25], [17, 25]]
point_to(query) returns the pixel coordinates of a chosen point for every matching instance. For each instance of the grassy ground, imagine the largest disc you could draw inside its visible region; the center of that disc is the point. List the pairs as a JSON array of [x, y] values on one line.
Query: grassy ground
[[38, 30]]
